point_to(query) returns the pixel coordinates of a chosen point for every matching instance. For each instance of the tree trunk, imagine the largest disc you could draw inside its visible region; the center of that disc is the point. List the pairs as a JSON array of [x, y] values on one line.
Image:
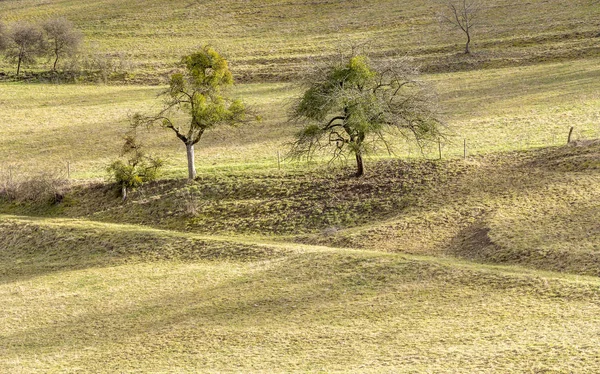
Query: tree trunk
[[19, 66], [467, 49], [55, 62], [360, 170], [124, 192], [190, 159], [570, 134]]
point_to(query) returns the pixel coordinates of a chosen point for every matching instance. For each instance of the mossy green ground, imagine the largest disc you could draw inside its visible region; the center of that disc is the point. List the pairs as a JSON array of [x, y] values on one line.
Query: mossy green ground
[[487, 264]]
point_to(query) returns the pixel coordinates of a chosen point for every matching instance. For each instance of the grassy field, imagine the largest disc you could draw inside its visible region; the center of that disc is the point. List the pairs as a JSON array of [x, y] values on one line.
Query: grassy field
[[256, 271], [494, 110], [487, 264], [290, 309], [273, 40]]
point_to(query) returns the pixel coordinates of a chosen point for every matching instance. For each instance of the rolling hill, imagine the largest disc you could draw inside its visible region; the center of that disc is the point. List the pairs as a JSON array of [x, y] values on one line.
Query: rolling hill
[[485, 262]]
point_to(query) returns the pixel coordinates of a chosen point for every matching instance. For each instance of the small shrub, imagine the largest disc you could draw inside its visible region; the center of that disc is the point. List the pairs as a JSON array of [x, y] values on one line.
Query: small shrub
[[44, 187], [104, 67], [191, 204], [137, 170]]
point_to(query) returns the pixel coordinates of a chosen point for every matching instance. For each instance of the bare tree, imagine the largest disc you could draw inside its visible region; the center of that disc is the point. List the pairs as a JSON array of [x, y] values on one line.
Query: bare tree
[[3, 37], [62, 38], [25, 44], [463, 15]]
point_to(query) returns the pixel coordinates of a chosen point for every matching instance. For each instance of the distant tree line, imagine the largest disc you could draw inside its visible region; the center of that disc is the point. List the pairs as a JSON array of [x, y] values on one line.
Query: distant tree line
[[25, 43]]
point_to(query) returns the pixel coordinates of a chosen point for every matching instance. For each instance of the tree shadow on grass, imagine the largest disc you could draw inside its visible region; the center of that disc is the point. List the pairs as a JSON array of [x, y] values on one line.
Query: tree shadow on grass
[[310, 307], [31, 248]]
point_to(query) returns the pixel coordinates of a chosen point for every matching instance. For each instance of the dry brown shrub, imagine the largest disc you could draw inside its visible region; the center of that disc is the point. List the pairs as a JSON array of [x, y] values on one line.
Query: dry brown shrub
[[42, 187]]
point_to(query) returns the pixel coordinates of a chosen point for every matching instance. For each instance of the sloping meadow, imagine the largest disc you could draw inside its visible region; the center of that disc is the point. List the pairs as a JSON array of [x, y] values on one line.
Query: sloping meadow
[[291, 309], [535, 208]]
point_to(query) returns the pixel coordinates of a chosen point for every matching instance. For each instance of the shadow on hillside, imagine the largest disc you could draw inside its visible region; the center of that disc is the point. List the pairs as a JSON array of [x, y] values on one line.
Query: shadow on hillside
[[417, 207], [474, 244], [265, 203], [306, 307], [31, 249], [564, 239], [327, 291], [451, 212], [548, 222]]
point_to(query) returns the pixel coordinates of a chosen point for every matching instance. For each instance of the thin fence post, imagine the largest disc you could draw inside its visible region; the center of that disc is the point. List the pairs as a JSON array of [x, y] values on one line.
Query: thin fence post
[[465, 148], [440, 148], [570, 134], [278, 160]]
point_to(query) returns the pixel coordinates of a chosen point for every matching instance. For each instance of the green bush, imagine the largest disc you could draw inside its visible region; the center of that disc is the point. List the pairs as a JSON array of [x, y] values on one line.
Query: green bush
[[137, 169]]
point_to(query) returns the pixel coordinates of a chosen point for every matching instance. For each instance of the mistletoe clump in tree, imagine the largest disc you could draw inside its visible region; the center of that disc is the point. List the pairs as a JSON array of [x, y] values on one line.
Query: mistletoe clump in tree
[[196, 101], [351, 106]]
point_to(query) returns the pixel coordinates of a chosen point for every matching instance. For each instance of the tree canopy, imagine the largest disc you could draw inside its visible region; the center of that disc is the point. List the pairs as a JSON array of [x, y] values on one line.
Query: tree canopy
[[351, 105]]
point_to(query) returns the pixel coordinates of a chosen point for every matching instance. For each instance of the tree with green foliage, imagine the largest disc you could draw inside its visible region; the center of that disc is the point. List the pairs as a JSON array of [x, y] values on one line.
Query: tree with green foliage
[[351, 105], [62, 39], [25, 44], [138, 169], [196, 101]]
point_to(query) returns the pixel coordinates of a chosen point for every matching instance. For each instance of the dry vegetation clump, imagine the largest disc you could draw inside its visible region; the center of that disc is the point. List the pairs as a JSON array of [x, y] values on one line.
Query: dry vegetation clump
[[47, 187]]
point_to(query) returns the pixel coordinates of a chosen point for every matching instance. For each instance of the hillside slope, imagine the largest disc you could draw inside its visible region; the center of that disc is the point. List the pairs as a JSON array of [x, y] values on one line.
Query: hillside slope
[[274, 40], [80, 296], [487, 263], [536, 208]]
